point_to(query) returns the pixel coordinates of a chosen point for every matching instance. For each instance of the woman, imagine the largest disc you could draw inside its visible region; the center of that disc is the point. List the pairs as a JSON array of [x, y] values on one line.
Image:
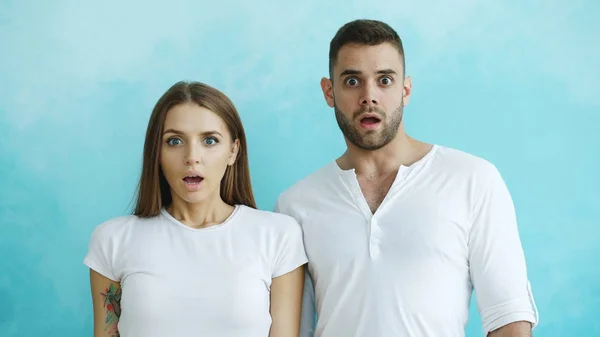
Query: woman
[[196, 258]]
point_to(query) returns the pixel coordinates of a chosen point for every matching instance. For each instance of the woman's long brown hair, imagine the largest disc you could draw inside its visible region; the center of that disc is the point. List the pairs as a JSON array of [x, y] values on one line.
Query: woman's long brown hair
[[153, 190]]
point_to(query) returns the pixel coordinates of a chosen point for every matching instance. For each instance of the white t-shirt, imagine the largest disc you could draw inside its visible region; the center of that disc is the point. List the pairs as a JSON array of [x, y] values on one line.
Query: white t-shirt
[[180, 281], [446, 227]]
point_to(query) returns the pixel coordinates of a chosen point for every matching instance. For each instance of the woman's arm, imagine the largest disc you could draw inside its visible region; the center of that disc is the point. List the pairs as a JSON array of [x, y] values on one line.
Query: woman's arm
[[286, 303], [106, 298]]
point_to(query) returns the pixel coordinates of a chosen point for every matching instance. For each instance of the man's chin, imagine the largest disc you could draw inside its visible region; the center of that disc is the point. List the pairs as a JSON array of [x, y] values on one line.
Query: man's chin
[[368, 145]]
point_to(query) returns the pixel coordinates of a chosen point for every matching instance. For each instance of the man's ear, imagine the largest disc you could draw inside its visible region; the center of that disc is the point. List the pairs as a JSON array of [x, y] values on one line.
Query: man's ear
[[407, 90], [327, 87]]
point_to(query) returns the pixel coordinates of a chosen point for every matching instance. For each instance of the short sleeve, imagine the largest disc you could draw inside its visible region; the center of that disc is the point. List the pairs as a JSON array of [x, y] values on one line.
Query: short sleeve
[[496, 258], [101, 251], [280, 206], [289, 252]]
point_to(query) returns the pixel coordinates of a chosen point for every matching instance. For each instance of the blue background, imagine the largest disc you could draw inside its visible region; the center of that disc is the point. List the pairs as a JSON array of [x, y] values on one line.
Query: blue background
[[514, 82]]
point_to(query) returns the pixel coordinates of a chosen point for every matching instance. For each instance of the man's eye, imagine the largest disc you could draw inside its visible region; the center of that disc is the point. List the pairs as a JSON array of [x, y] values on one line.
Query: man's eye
[[351, 81], [386, 81]]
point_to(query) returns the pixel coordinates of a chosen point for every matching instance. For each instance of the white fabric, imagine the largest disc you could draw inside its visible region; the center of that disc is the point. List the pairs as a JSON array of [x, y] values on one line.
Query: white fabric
[[180, 281], [447, 225]]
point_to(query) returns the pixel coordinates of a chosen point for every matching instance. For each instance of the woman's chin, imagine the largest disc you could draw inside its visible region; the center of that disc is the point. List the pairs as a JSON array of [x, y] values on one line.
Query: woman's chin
[[196, 197]]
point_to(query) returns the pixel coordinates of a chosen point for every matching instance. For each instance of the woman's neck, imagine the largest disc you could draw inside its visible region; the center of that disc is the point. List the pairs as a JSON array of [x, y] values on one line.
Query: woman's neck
[[200, 215]]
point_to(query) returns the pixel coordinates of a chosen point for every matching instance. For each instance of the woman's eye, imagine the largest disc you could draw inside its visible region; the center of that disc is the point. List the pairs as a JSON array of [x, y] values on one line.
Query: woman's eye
[[351, 81], [211, 141], [174, 141]]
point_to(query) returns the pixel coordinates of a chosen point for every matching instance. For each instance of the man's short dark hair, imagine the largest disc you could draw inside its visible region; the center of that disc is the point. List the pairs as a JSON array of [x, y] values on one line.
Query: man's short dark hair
[[363, 32]]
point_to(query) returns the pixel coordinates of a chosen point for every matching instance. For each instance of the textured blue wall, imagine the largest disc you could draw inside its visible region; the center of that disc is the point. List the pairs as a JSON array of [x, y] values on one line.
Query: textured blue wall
[[513, 82]]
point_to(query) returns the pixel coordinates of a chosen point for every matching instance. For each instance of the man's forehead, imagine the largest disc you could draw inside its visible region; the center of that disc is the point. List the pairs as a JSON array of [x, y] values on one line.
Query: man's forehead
[[367, 58]]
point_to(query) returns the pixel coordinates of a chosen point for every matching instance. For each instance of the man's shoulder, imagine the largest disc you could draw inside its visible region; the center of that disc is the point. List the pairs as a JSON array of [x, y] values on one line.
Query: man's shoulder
[[309, 184], [459, 161]]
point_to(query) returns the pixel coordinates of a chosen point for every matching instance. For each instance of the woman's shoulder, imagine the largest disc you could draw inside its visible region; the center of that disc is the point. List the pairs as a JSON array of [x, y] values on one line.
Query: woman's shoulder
[[119, 225]]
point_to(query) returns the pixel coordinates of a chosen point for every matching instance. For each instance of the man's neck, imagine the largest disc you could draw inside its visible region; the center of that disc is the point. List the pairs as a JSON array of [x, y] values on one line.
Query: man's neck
[[401, 151]]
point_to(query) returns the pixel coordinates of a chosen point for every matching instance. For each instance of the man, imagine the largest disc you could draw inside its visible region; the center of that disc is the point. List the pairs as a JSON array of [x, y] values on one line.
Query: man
[[399, 232]]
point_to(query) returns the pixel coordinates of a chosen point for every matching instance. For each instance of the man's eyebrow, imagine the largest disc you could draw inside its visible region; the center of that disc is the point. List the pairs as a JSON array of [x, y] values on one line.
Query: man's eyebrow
[[350, 72], [387, 72], [358, 72]]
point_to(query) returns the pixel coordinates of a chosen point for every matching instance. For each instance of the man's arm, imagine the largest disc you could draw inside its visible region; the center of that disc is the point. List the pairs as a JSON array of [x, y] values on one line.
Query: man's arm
[[497, 262], [106, 298], [516, 329]]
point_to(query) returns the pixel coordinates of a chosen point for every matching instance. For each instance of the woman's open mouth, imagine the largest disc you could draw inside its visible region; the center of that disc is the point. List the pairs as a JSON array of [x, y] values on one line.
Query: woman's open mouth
[[193, 182]]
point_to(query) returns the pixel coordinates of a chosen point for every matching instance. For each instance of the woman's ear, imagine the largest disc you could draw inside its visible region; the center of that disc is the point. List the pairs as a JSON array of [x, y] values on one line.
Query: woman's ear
[[235, 148]]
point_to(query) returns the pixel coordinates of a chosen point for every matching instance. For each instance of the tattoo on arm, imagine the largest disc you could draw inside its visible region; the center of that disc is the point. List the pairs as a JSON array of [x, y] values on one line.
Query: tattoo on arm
[[112, 303]]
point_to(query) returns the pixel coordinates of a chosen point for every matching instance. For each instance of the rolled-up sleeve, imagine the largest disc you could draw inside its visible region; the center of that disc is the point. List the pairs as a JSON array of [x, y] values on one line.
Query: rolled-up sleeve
[[497, 263]]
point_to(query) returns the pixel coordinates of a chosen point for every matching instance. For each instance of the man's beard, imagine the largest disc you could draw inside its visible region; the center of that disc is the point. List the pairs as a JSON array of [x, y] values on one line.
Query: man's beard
[[372, 140]]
